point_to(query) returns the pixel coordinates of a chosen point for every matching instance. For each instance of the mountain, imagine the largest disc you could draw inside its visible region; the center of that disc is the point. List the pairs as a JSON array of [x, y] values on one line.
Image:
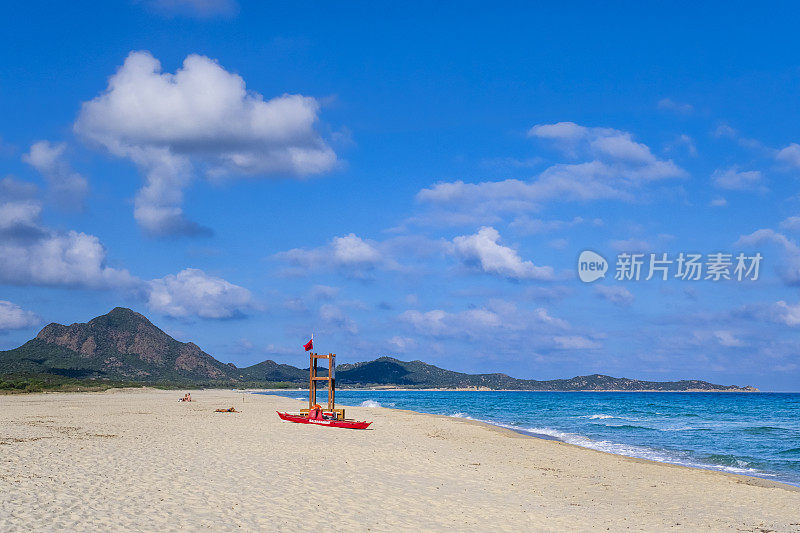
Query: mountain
[[390, 371], [272, 371], [121, 345], [124, 346]]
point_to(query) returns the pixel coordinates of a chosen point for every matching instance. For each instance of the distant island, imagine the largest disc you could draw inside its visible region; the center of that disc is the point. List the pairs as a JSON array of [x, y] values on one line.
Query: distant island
[[123, 348]]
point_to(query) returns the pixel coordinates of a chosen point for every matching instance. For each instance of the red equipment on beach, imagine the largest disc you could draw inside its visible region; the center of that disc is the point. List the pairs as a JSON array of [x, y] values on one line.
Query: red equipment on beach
[[315, 414], [300, 419]]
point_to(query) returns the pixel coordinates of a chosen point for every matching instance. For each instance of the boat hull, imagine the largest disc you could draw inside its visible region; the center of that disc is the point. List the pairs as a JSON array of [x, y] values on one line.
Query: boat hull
[[347, 424]]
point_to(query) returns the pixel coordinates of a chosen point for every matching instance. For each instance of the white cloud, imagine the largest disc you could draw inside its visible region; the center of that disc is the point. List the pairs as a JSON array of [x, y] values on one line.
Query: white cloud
[[727, 338], [483, 251], [334, 316], [487, 322], [352, 255], [733, 179], [790, 269], [19, 215], [683, 141], [575, 342], [195, 8], [789, 155], [33, 254], [66, 187], [324, 292], [352, 250], [667, 104], [617, 167], [202, 116], [718, 202], [192, 292], [617, 295], [441, 323], [791, 224], [402, 344], [788, 314], [72, 258], [13, 316]]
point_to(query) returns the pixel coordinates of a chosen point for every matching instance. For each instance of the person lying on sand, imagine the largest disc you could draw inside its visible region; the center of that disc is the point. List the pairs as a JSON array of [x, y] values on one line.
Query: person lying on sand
[[231, 410]]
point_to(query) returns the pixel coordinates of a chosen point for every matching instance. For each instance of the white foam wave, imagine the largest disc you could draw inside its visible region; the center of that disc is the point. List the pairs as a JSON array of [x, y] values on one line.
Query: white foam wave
[[598, 417], [641, 452], [370, 403]]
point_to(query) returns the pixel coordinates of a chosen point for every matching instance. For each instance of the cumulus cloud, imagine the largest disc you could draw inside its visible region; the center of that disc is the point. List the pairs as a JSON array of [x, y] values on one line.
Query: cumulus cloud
[[668, 104], [67, 188], [616, 167], [789, 270], [718, 202], [402, 344], [789, 155], [617, 295], [334, 316], [33, 254], [323, 292], [201, 118], [498, 320], [483, 251], [192, 292], [727, 338], [685, 142], [352, 255], [791, 224], [441, 323], [734, 179], [787, 313], [13, 316], [575, 342]]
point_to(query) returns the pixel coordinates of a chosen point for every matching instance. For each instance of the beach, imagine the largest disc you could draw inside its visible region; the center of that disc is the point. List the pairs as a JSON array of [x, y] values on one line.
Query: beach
[[137, 459]]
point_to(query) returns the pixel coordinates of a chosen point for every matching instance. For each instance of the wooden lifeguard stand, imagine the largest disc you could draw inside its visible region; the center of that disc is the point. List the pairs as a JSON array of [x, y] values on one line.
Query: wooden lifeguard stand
[[313, 379]]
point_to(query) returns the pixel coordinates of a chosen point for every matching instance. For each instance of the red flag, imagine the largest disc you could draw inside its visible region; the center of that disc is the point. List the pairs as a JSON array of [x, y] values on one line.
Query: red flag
[[309, 345]]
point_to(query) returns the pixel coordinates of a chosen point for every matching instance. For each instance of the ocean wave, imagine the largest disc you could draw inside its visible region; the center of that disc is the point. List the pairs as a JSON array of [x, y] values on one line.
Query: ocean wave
[[791, 451], [622, 426], [370, 403], [763, 429], [734, 466], [597, 417]]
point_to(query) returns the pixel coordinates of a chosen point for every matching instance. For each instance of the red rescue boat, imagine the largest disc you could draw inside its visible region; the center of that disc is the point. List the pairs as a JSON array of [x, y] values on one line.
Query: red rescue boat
[[349, 424]]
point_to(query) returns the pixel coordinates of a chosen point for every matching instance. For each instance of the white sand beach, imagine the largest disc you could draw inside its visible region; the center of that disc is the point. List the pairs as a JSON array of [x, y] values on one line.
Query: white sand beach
[[138, 460]]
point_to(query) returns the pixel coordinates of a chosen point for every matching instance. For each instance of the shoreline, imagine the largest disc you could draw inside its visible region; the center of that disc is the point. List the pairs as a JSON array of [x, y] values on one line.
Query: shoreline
[[766, 476], [514, 433]]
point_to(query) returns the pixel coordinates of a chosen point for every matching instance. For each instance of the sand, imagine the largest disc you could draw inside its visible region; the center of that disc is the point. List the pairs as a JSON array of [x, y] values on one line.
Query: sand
[[138, 460]]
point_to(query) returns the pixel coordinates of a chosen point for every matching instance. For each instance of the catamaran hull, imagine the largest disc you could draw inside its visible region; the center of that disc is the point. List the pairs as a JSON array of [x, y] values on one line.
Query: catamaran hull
[[348, 424]]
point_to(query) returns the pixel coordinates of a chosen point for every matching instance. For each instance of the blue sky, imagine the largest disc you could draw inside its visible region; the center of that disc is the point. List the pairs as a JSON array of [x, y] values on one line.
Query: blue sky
[[415, 181]]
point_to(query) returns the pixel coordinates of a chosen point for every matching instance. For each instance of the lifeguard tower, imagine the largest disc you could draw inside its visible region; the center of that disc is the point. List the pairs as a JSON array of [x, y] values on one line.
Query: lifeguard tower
[[314, 379]]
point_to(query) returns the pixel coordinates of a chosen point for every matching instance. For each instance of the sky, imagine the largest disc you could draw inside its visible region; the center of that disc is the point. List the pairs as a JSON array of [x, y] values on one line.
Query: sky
[[416, 181]]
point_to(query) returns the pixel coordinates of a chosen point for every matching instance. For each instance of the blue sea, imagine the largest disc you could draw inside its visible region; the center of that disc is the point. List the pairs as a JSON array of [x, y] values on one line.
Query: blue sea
[[756, 434]]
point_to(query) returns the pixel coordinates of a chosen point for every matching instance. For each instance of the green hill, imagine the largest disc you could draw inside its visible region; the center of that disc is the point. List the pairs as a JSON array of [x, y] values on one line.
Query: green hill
[[125, 347]]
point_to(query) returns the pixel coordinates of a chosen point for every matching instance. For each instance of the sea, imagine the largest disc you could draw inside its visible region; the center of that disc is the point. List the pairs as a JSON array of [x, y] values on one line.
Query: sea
[[755, 434]]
